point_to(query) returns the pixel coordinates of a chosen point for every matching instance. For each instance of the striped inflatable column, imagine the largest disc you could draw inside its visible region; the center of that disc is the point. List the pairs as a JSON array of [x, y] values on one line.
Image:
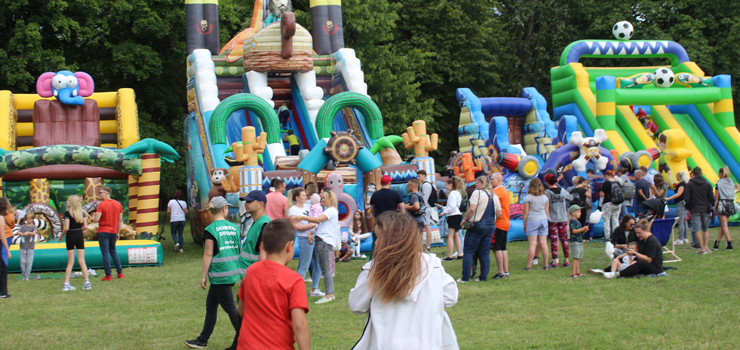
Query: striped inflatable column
[[426, 164], [147, 214], [606, 107], [723, 109], [250, 179], [133, 199], [1, 186]]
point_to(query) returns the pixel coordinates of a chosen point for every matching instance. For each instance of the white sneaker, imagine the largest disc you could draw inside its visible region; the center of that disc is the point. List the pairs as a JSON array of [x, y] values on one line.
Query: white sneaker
[[180, 250], [91, 272], [535, 261], [363, 256], [610, 275], [308, 279], [686, 241], [678, 241], [177, 247], [325, 300], [317, 293], [87, 286], [595, 271], [459, 280], [66, 287]]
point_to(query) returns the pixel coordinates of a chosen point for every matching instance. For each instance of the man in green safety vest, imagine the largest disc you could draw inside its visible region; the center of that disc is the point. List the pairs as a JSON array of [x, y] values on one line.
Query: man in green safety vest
[[220, 268], [250, 254]]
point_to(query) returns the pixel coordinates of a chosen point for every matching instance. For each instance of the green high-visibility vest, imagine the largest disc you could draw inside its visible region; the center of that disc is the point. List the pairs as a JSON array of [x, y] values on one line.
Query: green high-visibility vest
[[249, 254], [224, 268]]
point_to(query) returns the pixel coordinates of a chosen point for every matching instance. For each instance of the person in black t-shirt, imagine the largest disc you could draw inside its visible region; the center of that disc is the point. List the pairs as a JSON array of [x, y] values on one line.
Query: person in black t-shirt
[[384, 200], [649, 255]]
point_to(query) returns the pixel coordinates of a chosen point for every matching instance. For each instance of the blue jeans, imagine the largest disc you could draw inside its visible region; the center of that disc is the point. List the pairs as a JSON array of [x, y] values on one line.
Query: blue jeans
[[306, 253], [315, 267], [478, 239], [176, 228], [107, 242]]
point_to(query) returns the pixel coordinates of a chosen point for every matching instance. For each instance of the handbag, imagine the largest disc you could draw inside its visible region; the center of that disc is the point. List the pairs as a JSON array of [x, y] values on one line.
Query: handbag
[[467, 225]]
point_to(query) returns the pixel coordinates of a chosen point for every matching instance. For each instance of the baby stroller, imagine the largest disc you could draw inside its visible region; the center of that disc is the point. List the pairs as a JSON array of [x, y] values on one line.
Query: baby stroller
[[655, 209]]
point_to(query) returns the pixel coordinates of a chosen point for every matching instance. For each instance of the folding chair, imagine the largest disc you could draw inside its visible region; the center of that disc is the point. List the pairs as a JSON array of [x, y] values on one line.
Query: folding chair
[[663, 231]]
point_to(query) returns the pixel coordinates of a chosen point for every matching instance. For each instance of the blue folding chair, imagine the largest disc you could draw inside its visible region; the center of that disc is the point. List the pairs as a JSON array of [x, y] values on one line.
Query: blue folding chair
[[663, 231]]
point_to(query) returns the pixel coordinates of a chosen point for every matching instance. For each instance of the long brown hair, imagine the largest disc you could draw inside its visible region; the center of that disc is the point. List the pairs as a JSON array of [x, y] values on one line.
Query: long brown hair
[[535, 187], [4, 204], [397, 259], [460, 187], [362, 227], [659, 180]]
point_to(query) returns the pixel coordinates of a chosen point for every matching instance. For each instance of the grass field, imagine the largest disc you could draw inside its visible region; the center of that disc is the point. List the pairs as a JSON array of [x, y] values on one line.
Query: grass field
[[695, 307]]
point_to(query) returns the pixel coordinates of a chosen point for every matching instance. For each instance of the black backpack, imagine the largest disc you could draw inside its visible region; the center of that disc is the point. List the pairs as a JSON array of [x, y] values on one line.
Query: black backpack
[[433, 199], [617, 193], [464, 204], [422, 207], [579, 196]]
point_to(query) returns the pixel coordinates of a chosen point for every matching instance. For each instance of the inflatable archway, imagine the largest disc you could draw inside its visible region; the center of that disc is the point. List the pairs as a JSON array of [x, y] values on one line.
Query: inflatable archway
[[249, 102], [330, 108], [50, 214], [68, 154]]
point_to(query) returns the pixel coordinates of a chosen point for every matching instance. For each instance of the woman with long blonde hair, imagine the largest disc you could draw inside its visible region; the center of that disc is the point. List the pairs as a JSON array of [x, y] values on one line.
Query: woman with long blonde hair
[[75, 221], [724, 206], [400, 284], [326, 238]]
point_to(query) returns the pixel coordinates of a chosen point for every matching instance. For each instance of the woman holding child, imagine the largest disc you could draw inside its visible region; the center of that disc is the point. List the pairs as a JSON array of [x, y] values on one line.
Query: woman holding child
[[623, 235], [649, 255], [326, 238]]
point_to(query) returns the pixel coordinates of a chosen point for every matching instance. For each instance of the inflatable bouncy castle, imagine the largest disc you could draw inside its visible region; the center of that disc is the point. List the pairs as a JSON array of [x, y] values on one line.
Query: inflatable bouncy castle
[[67, 140]]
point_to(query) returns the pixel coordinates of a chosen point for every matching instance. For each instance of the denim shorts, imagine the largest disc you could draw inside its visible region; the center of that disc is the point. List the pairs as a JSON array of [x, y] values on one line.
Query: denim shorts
[[699, 222], [536, 228]]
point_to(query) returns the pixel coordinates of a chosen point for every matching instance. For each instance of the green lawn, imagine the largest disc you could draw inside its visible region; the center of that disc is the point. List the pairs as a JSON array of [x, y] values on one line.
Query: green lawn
[[696, 307]]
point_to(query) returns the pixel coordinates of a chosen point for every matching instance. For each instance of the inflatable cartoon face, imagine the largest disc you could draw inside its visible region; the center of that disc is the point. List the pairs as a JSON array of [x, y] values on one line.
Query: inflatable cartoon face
[[67, 87], [590, 150], [335, 182]]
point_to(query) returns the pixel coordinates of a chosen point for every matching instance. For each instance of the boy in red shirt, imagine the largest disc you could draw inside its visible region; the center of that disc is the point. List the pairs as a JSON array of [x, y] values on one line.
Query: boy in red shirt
[[110, 216], [272, 297]]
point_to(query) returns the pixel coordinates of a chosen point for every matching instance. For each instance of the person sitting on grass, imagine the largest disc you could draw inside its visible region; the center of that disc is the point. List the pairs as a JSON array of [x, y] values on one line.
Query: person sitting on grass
[[649, 256], [403, 291], [576, 239], [622, 261], [272, 297]]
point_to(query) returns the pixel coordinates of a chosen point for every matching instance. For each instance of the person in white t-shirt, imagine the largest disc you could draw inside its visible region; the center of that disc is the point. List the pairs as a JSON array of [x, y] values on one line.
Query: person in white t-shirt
[[177, 209]]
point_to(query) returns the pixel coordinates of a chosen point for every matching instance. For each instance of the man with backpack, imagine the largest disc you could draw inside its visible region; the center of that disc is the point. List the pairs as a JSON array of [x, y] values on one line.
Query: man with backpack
[[429, 193], [612, 196], [628, 188], [416, 206]]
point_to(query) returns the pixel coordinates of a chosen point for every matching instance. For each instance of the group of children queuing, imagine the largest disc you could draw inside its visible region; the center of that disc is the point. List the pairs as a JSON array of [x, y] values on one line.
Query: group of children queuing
[[401, 283]]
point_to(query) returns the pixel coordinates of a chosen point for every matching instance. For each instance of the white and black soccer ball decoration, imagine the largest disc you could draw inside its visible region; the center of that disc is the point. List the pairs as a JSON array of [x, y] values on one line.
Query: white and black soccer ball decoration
[[623, 30], [664, 78]]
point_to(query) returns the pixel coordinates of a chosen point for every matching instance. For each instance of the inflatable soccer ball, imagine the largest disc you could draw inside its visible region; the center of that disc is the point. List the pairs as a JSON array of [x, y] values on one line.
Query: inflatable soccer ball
[[623, 30], [663, 78]]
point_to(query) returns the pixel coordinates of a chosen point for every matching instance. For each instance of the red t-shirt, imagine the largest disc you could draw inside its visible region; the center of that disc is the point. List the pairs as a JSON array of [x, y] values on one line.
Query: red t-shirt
[[111, 211], [270, 291], [503, 222]]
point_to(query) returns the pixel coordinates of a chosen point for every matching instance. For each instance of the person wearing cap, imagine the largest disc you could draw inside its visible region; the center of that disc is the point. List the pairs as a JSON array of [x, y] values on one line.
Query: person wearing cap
[[250, 252], [576, 239], [384, 200], [220, 268]]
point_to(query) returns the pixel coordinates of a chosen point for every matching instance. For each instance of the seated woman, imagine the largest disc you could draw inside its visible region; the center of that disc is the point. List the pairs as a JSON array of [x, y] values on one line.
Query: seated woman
[[622, 261], [649, 256], [623, 235]]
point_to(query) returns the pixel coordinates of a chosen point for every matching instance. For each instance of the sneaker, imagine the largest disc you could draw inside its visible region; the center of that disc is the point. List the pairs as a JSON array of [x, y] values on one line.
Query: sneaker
[[595, 271], [567, 264], [325, 300], [363, 256], [554, 266], [177, 247], [87, 286], [5, 296], [308, 280], [499, 276], [459, 280], [196, 344], [686, 241], [447, 258], [107, 278], [506, 275], [180, 250], [91, 272], [716, 245], [36, 277], [477, 279], [317, 293], [610, 275], [696, 246], [729, 246], [66, 287], [535, 261], [678, 241], [120, 276]]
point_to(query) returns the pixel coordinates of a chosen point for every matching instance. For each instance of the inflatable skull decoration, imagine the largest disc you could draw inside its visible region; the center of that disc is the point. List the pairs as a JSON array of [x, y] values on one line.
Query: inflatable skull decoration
[[590, 150]]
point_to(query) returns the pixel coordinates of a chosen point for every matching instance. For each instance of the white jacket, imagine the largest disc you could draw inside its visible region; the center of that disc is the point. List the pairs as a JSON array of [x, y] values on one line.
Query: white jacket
[[454, 199], [417, 322]]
